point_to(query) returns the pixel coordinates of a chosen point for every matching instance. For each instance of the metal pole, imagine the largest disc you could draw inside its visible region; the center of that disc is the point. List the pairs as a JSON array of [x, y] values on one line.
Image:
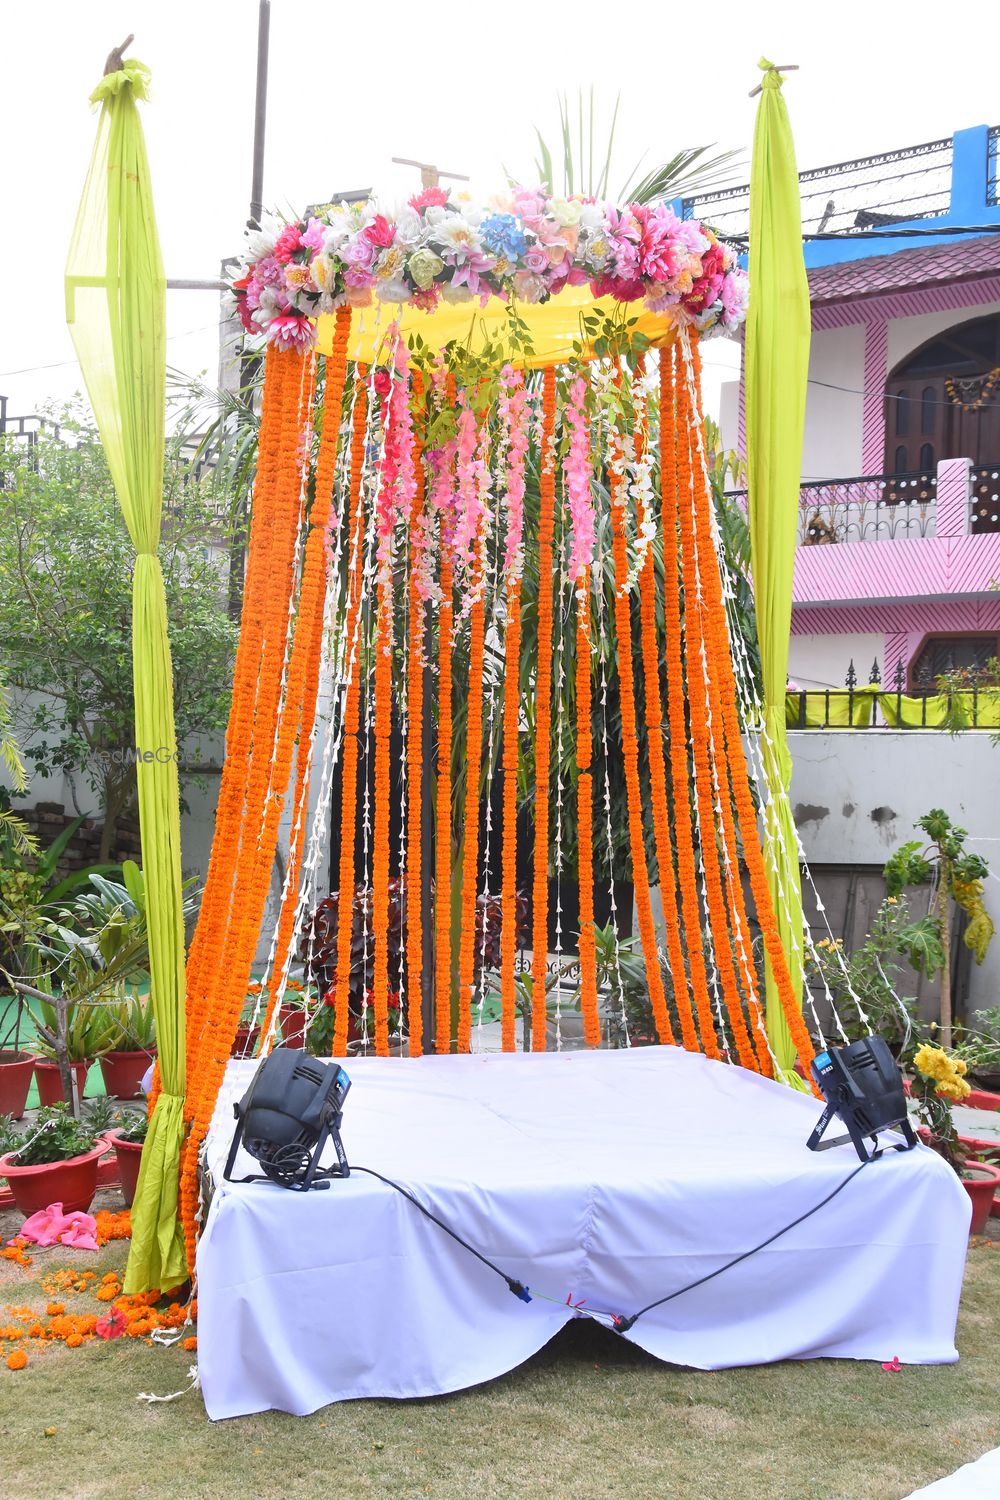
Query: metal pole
[[260, 116]]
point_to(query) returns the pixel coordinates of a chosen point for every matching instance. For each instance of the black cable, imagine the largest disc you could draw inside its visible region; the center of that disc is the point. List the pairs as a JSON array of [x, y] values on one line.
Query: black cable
[[513, 1285], [622, 1325]]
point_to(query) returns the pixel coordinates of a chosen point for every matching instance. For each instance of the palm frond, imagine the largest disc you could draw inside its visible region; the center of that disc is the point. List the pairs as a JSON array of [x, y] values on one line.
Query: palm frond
[[688, 174]]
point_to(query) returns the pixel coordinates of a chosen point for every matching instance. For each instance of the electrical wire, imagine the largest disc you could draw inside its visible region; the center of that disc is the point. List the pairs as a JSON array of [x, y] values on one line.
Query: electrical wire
[[622, 1325], [618, 1322]]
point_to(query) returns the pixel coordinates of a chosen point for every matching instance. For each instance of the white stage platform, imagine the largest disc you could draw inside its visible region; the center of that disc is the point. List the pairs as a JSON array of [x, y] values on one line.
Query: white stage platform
[[610, 1178]]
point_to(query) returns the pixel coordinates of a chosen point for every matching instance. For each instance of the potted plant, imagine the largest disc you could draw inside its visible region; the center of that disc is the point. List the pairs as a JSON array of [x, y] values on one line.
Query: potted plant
[[128, 1138], [55, 1162], [980, 1047], [90, 1031], [16, 1065], [124, 1064], [939, 1082]]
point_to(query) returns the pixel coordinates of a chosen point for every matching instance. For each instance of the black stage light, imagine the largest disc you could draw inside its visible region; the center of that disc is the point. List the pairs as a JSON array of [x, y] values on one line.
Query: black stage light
[[863, 1085], [291, 1109]]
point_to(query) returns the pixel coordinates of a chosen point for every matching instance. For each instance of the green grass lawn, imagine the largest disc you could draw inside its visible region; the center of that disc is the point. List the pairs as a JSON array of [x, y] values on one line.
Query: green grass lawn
[[589, 1418]]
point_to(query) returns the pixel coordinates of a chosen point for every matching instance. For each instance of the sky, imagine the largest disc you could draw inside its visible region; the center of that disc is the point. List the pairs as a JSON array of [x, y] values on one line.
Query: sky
[[461, 86]]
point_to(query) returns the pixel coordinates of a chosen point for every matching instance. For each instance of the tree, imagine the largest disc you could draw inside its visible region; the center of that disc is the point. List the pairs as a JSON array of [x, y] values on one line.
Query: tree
[[66, 564], [957, 876]]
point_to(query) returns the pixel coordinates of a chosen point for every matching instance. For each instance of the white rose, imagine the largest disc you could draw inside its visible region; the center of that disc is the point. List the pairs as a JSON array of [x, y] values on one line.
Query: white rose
[[564, 212]]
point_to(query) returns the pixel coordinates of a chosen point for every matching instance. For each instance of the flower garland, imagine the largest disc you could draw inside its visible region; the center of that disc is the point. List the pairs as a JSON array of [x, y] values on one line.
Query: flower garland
[[701, 746], [224, 986], [721, 657], [543, 705], [676, 712], [217, 895], [527, 247], [442, 843], [654, 726], [415, 760], [630, 742], [509, 763], [312, 595], [352, 721], [585, 819], [473, 771], [383, 791], [989, 384]]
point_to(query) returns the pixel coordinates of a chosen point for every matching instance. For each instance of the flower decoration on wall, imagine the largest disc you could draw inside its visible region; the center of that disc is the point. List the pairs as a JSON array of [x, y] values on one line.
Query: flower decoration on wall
[[523, 246]]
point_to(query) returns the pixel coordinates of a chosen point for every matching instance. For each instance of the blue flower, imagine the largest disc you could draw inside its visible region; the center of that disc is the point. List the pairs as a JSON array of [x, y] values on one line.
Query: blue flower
[[502, 235]]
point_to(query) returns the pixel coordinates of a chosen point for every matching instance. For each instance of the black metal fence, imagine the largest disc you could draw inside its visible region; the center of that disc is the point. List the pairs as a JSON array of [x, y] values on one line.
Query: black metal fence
[[871, 706]]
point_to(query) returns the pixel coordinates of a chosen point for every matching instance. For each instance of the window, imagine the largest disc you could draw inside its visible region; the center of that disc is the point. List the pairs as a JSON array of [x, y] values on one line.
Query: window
[[899, 467], [926, 457], [947, 653], [928, 409], [902, 412]]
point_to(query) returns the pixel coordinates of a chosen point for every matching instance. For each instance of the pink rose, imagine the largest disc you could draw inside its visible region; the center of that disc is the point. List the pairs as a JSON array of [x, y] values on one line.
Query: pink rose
[[380, 232]]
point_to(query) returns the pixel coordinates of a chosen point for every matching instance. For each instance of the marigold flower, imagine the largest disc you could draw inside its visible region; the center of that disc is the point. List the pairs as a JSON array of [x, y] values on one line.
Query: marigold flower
[[17, 1360], [189, 1344], [55, 1308], [74, 1341]]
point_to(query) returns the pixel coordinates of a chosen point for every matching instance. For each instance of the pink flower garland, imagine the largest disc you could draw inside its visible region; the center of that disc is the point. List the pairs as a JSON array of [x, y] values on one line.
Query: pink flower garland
[[576, 475], [397, 475], [513, 407], [467, 499]]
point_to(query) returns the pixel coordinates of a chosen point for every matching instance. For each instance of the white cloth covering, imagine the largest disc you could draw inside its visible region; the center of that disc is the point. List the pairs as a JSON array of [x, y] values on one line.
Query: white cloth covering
[[978, 1481], [613, 1177]]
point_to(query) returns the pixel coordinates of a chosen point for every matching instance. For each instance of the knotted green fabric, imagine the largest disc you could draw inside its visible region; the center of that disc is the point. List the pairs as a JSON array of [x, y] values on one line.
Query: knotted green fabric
[[116, 311], [776, 365]]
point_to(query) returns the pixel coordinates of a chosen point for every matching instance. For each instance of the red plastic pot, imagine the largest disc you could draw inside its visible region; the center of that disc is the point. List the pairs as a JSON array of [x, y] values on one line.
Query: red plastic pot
[[123, 1073], [16, 1069], [49, 1080], [293, 1026], [72, 1183], [245, 1041], [981, 1189], [129, 1154]]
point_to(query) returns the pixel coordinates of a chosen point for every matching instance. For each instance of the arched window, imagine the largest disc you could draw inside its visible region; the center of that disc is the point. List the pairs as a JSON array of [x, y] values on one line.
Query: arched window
[[926, 458], [899, 467], [902, 412], [928, 409]]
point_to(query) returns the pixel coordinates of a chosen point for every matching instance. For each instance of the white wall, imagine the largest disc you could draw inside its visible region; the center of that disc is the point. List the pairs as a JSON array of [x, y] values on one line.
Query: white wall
[[821, 661], [907, 334], [857, 795], [831, 447]]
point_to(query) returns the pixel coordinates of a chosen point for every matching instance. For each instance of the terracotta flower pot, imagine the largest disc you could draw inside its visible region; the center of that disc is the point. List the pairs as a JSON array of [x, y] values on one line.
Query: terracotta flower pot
[[129, 1154], [245, 1041], [16, 1069], [981, 1186], [47, 1076], [72, 1183], [293, 1026], [123, 1073]]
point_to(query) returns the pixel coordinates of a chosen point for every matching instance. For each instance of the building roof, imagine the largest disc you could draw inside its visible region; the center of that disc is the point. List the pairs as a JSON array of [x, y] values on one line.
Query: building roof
[[965, 259]]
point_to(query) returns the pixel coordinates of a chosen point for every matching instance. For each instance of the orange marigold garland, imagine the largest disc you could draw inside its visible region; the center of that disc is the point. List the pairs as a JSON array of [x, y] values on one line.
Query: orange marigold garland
[[352, 721], [415, 765], [314, 589], [746, 812], [380, 838], [543, 713], [657, 763], [698, 669], [630, 746], [676, 697], [473, 768], [442, 843]]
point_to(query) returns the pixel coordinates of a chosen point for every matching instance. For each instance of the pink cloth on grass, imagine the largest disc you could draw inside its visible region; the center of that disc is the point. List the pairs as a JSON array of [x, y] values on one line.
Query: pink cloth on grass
[[50, 1226]]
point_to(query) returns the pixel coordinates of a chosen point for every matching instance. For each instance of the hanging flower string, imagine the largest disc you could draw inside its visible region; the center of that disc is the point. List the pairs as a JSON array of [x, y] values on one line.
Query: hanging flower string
[[312, 602], [543, 702], [630, 743], [721, 657], [473, 772], [415, 752], [514, 424], [352, 721], [443, 850]]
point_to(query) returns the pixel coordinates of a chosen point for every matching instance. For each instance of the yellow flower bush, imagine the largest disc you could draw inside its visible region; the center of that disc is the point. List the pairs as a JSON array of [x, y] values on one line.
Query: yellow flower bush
[[947, 1072]]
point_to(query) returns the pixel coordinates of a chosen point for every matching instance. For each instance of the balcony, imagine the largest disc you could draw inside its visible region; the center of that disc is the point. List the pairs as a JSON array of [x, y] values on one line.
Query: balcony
[[873, 508], [870, 706]]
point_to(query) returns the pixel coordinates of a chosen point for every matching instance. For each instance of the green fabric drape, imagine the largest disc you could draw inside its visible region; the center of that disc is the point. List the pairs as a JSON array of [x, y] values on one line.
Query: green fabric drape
[[776, 363], [116, 311]]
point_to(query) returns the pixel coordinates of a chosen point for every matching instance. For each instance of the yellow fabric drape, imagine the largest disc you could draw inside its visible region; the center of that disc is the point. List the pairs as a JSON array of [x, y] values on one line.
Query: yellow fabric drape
[[116, 311], [553, 327], [776, 364]]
